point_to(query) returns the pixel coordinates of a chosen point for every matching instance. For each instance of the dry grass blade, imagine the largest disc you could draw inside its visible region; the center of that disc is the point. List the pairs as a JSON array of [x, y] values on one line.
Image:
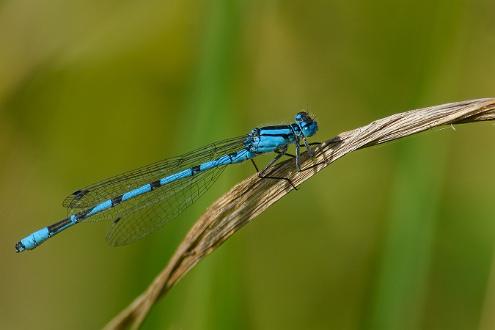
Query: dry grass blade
[[252, 196]]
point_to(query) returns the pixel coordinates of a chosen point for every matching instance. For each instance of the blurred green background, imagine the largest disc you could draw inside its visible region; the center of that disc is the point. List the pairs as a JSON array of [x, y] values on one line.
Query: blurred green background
[[393, 237]]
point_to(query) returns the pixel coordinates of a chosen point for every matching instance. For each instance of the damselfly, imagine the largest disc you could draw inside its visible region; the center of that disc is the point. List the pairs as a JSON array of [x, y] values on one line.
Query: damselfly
[[140, 201]]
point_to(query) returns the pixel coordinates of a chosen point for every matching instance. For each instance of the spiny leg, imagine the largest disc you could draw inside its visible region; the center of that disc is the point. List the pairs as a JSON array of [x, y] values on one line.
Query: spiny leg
[[317, 164], [286, 154], [298, 154], [255, 166], [307, 144], [311, 144], [298, 151], [310, 152], [263, 174], [280, 153]]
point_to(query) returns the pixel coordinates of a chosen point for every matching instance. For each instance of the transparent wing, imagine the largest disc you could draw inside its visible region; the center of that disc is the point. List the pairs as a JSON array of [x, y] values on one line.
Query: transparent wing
[[117, 185], [150, 211]]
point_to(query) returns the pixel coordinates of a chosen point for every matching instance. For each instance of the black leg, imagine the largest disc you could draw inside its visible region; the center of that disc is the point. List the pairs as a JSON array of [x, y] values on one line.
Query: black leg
[[314, 165], [255, 166], [311, 144], [273, 161], [310, 152], [286, 154], [264, 175], [298, 154]]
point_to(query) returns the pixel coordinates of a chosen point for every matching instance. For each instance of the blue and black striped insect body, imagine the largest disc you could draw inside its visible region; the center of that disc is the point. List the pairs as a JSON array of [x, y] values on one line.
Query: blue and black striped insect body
[[141, 201]]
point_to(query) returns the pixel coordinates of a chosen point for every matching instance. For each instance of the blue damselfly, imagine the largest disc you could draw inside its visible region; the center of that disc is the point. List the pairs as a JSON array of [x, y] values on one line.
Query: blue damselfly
[[140, 201]]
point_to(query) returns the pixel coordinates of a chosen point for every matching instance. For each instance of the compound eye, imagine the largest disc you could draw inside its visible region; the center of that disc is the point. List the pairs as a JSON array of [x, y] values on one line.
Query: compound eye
[[302, 116]]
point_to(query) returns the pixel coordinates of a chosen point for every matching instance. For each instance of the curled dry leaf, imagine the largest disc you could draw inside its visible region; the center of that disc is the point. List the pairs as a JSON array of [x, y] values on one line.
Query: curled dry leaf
[[252, 196]]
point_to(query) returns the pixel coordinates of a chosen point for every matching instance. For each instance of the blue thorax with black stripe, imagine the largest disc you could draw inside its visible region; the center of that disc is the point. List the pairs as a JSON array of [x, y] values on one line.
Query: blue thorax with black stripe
[[140, 201]]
